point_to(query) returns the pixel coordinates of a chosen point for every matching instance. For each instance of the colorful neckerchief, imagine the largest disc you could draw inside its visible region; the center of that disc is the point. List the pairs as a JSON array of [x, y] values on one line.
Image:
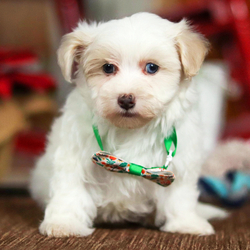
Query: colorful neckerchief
[[159, 175]]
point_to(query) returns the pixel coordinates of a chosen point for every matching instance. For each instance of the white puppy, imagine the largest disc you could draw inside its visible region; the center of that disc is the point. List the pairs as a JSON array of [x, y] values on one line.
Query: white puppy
[[134, 82]]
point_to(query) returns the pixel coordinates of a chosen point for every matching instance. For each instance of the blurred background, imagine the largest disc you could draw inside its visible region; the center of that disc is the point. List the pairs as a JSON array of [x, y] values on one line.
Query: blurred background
[[32, 89]]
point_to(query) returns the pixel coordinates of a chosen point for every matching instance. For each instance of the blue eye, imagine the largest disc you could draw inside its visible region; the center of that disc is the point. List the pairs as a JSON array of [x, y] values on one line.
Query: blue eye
[[109, 68], [151, 68]]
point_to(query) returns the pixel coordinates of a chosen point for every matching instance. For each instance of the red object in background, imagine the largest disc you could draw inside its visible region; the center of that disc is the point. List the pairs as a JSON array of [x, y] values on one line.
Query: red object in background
[[31, 142], [238, 128], [13, 59], [41, 83], [70, 12], [14, 70], [5, 87]]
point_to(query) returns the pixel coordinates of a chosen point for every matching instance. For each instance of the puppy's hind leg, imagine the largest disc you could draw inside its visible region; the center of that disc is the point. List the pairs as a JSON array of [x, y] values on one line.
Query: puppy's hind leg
[[209, 212]]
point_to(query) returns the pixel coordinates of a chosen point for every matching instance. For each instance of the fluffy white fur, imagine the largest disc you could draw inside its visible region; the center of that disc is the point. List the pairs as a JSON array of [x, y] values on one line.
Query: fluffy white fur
[[74, 191]]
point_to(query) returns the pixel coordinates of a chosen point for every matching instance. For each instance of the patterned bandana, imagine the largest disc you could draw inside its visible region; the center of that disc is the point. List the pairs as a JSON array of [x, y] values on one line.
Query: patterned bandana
[[159, 175]]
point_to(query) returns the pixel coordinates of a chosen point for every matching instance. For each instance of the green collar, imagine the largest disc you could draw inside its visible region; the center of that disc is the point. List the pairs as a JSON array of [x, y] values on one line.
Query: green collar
[[168, 141], [159, 175]]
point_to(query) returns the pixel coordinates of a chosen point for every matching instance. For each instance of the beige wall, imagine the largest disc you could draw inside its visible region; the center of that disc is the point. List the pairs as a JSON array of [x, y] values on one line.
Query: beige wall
[[25, 23]]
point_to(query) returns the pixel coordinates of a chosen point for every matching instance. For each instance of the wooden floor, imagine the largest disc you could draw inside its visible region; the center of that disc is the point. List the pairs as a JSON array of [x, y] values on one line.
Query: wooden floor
[[20, 217]]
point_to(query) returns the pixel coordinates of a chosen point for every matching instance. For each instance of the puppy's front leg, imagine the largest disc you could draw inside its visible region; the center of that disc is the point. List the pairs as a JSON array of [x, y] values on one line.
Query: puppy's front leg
[[178, 207], [71, 210]]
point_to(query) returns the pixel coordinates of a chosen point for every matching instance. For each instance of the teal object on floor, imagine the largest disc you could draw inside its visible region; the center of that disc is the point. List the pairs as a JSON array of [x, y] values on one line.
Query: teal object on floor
[[233, 189]]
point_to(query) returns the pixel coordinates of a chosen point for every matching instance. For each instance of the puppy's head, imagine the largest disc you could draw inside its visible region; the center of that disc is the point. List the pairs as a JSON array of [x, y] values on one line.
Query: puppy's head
[[132, 66]]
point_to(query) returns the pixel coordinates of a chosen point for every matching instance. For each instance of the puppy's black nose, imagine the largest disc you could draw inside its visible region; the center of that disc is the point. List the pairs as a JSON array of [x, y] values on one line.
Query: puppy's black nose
[[126, 101]]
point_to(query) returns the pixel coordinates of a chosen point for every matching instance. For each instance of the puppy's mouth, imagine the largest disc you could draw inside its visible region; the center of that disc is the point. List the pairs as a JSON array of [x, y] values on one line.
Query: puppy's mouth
[[128, 119], [129, 114]]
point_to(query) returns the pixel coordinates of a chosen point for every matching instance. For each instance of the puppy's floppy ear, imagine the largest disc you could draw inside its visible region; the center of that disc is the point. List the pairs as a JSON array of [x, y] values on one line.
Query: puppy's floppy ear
[[72, 47], [192, 48]]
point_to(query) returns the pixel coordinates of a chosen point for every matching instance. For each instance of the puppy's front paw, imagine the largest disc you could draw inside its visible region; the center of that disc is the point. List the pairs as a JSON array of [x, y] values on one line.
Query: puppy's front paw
[[64, 229], [194, 225]]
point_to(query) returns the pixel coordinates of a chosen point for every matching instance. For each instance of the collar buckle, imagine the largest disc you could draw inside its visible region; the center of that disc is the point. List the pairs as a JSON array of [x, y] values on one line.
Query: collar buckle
[[169, 158]]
